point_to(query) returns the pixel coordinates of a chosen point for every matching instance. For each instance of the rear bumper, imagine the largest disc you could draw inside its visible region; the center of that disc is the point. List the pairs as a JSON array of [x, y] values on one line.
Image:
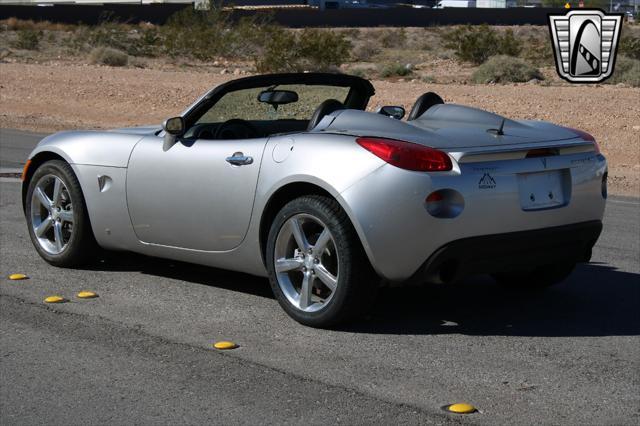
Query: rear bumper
[[511, 251], [390, 214]]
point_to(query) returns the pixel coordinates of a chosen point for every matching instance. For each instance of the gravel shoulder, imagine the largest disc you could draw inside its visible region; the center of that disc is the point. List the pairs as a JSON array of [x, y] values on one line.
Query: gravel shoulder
[[60, 96]]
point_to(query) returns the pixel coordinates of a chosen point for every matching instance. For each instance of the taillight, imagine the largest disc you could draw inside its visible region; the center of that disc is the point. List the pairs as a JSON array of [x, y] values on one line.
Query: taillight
[[407, 155], [586, 137]]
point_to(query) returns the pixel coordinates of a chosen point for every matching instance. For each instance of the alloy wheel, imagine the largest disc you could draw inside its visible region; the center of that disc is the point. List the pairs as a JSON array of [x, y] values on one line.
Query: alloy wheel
[[306, 262], [52, 214]]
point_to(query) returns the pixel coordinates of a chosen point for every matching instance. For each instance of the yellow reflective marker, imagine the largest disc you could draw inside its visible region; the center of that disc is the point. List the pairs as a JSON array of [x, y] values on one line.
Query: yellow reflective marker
[[55, 299], [225, 345], [461, 408], [16, 277], [87, 295]]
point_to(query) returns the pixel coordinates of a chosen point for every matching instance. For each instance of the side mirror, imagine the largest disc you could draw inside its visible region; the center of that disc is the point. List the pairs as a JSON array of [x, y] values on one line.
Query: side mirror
[[174, 126], [395, 112]]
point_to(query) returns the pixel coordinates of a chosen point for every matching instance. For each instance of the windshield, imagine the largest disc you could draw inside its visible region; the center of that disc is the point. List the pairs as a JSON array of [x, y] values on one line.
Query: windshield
[[243, 104]]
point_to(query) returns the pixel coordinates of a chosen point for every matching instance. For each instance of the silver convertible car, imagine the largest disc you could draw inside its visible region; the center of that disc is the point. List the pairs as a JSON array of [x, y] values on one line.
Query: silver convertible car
[[288, 176]]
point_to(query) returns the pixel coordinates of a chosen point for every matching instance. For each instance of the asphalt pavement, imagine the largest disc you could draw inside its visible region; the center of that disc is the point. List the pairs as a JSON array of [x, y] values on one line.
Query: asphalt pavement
[[141, 352]]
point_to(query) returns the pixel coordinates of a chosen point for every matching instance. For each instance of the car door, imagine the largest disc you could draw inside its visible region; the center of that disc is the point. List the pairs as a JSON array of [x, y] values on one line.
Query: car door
[[197, 195]]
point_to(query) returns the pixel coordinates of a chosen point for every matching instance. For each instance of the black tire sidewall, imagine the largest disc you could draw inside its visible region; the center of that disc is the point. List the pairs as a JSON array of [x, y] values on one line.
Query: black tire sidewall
[[341, 306], [80, 246]]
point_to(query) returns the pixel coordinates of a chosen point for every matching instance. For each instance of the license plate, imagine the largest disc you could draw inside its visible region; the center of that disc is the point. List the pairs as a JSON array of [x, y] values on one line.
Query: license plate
[[543, 190]]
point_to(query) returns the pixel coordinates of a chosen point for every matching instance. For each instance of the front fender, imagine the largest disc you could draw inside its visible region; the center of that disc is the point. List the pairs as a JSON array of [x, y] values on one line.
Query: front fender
[[89, 147]]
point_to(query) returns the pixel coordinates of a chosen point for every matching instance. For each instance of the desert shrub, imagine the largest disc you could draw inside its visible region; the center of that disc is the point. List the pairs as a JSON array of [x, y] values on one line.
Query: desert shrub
[[630, 44], [359, 72], [200, 34], [505, 69], [15, 24], [365, 50], [108, 56], [478, 43], [28, 39], [392, 38], [395, 70], [627, 70], [306, 50], [144, 41]]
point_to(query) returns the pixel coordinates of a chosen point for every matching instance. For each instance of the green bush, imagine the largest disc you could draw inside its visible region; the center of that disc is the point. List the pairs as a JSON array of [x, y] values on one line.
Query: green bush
[[630, 46], [365, 50], [505, 69], [627, 71], [306, 50], [395, 70], [393, 38], [201, 34], [108, 56], [28, 39], [478, 43]]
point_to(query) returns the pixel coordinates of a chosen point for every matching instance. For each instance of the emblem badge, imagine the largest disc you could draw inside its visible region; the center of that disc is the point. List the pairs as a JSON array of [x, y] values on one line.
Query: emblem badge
[[585, 44]]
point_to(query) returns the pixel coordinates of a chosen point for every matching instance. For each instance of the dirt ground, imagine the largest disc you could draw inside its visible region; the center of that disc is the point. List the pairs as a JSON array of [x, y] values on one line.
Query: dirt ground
[[59, 96]]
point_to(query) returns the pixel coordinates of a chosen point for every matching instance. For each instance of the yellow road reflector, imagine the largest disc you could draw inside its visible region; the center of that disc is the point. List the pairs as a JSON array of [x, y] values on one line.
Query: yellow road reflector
[[55, 299], [461, 408], [87, 295], [225, 345], [16, 277]]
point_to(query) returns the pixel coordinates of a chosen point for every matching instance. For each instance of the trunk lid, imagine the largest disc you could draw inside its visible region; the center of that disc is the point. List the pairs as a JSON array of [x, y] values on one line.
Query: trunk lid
[[450, 127]]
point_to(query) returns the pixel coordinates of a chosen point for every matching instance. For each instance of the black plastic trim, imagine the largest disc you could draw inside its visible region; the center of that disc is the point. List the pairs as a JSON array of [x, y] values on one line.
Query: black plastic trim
[[511, 251]]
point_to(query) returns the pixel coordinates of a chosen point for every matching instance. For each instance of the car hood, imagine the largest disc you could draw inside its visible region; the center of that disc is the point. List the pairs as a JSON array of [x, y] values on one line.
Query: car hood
[[139, 130], [449, 127]]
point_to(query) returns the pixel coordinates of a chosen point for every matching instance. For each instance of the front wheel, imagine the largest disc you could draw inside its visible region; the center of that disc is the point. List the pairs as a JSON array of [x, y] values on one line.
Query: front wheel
[[57, 217], [317, 266]]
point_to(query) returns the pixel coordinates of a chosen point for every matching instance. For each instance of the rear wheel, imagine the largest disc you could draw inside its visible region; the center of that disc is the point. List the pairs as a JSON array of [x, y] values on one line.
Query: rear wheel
[[56, 216], [539, 278], [317, 267]]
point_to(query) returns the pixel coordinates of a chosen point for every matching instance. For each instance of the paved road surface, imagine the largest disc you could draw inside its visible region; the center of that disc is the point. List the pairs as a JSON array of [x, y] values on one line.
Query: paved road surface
[[15, 146], [141, 353]]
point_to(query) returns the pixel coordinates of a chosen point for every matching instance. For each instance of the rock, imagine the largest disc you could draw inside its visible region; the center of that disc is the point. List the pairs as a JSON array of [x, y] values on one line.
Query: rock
[[533, 81], [237, 71], [224, 71]]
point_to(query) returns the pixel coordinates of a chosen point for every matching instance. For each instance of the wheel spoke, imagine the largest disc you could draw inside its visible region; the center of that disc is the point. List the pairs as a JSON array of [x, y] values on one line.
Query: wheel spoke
[[305, 291], [66, 215], [42, 197], [285, 265], [326, 277], [322, 242], [57, 191], [57, 233], [298, 234], [43, 227]]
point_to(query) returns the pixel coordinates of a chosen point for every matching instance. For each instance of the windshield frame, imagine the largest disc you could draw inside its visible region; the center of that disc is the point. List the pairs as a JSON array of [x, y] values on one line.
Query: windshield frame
[[360, 90]]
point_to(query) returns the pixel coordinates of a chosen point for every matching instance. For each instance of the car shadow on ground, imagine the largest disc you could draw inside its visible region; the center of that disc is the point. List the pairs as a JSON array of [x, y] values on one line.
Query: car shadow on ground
[[596, 300]]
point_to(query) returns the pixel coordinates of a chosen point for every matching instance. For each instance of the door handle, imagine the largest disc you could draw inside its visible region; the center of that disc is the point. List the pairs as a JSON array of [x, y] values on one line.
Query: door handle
[[239, 159]]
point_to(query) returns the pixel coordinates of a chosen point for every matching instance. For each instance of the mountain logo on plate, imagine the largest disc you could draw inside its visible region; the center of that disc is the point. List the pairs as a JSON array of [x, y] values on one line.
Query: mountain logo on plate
[[487, 182], [585, 44]]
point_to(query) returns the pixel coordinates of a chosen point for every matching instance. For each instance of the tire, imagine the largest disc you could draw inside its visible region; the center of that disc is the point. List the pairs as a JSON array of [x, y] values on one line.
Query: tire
[[340, 262], [78, 244], [540, 278]]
